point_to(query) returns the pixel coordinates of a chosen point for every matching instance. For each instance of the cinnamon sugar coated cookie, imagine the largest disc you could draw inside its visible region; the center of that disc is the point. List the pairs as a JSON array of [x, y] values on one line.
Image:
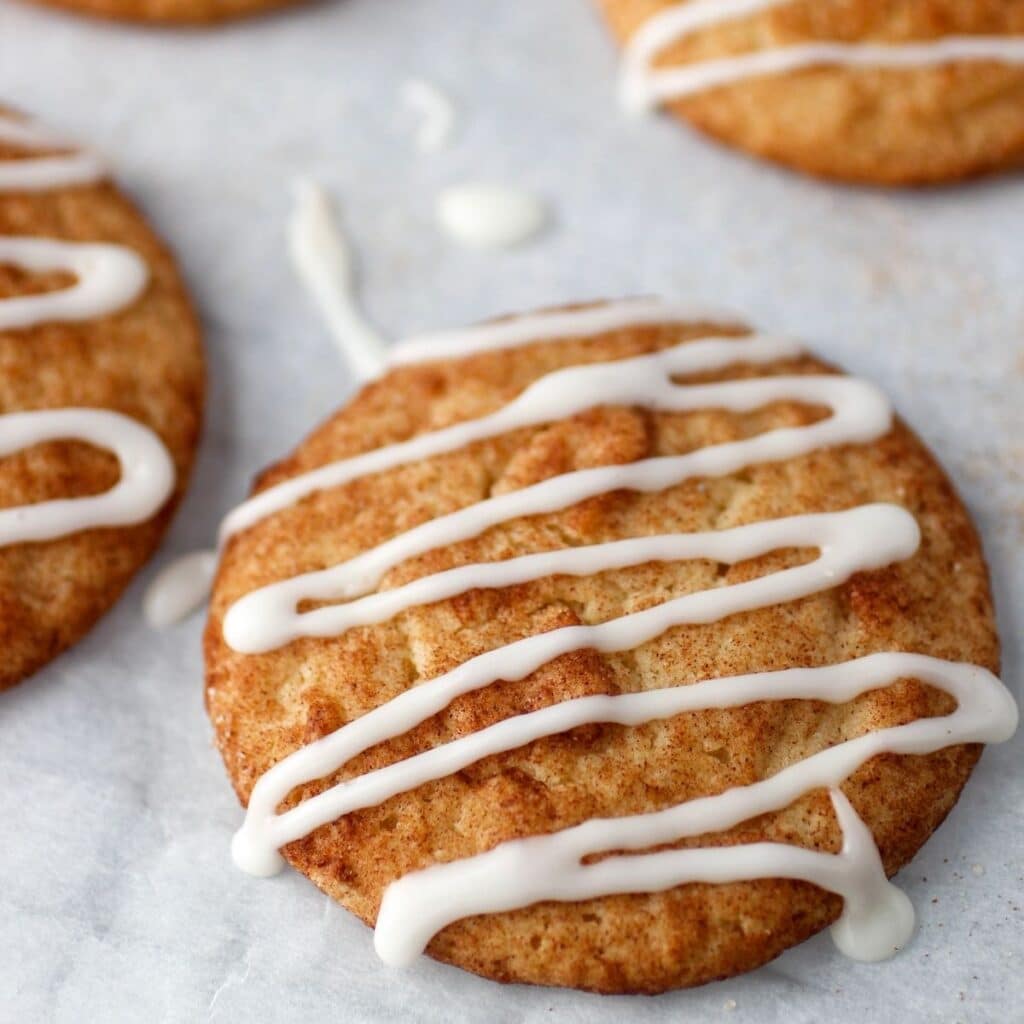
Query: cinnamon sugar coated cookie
[[615, 648], [101, 392], [902, 92], [171, 12]]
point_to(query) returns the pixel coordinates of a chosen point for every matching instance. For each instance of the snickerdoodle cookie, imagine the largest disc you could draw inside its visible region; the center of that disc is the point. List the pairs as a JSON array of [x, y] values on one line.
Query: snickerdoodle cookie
[[612, 648], [171, 12], [101, 391], [901, 92]]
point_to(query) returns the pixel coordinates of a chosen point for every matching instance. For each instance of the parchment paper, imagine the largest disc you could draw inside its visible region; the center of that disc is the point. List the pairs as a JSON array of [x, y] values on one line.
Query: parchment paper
[[118, 899]]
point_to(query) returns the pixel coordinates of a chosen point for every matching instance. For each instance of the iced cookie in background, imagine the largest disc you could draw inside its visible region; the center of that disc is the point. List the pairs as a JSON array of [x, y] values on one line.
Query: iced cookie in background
[[614, 647], [170, 12], [898, 92], [101, 393]]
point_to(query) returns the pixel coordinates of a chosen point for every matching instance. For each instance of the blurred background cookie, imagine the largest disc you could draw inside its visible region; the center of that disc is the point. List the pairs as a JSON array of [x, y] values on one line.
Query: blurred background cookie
[[908, 92], [170, 12], [101, 393]]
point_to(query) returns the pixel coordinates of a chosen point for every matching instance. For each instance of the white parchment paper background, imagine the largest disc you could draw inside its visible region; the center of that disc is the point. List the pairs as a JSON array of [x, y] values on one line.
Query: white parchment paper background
[[118, 900]]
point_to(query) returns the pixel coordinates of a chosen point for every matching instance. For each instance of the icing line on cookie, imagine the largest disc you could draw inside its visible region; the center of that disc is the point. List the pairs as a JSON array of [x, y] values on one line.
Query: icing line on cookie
[[644, 87], [323, 262], [39, 173], [108, 278], [146, 482], [556, 325]]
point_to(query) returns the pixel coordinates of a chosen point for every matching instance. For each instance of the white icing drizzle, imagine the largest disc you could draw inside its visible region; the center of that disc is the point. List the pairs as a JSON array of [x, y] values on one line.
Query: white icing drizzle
[[482, 215], [643, 87], [324, 265], [33, 174], [268, 617], [108, 278], [437, 113], [147, 473], [557, 325], [877, 918]]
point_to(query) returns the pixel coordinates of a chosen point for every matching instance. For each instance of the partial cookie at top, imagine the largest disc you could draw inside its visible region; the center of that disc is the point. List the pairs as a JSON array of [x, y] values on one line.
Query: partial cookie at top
[[914, 125], [144, 361], [266, 706], [171, 12]]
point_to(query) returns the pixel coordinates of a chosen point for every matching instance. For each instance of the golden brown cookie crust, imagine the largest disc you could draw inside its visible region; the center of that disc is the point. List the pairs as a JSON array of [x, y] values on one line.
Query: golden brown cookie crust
[[145, 362], [171, 12], [264, 707], [907, 127]]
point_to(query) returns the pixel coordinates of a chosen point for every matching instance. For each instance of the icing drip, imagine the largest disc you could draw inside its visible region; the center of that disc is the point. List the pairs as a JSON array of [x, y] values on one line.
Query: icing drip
[[437, 112], [109, 278], [643, 87], [324, 265], [483, 216], [32, 174], [874, 921], [877, 917]]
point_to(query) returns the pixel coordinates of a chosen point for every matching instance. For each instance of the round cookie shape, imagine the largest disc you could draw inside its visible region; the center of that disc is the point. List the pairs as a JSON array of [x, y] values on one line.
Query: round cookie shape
[[639, 530], [904, 93], [171, 12], [101, 393]]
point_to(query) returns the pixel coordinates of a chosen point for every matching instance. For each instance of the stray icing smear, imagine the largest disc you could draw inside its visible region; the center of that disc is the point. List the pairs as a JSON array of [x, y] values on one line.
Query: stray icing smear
[[436, 111], [486, 216], [179, 588], [643, 86], [877, 918], [323, 262]]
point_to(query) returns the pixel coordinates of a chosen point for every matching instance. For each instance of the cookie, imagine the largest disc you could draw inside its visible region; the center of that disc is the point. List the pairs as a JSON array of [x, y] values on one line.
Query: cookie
[[101, 394], [615, 648], [171, 12], [911, 92]]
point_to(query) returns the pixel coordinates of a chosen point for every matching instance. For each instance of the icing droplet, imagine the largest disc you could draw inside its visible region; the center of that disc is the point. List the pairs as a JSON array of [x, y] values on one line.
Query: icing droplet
[[484, 216], [179, 589], [323, 262], [437, 113]]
